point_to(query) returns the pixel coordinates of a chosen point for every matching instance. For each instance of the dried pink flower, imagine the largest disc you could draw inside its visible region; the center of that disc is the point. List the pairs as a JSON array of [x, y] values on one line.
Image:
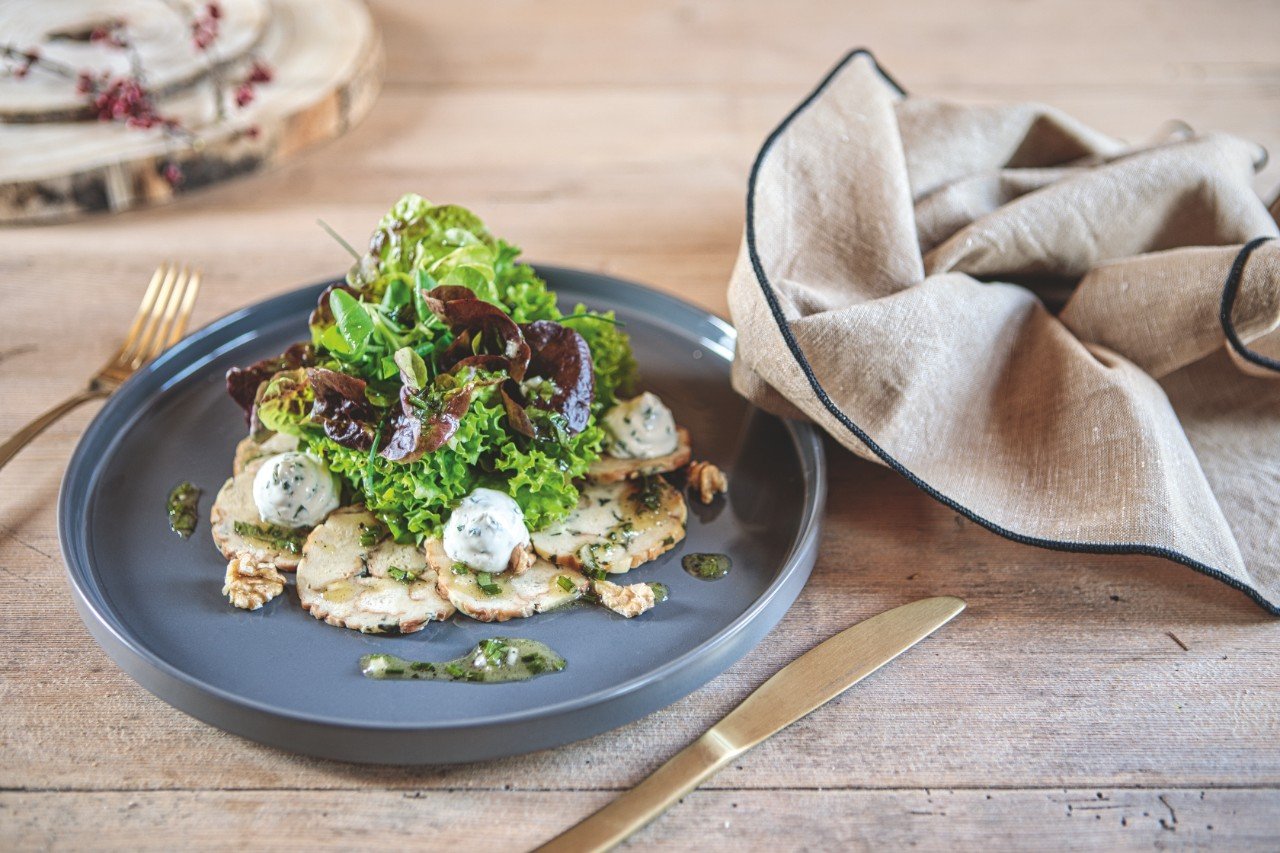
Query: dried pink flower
[[204, 27], [124, 99], [260, 72]]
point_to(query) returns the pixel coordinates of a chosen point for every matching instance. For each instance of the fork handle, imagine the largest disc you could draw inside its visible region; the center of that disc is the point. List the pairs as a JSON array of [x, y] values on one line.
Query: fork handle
[[24, 436]]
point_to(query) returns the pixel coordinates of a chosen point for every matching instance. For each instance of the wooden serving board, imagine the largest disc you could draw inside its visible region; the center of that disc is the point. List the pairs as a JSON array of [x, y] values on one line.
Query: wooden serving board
[[57, 160]]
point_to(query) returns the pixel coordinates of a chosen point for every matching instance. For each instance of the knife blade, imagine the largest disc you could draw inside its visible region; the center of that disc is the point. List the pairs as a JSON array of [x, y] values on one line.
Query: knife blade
[[802, 686]]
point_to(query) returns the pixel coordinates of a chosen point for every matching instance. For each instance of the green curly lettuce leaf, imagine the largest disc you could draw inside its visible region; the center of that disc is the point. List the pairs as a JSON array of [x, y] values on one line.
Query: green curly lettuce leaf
[[285, 404], [415, 499]]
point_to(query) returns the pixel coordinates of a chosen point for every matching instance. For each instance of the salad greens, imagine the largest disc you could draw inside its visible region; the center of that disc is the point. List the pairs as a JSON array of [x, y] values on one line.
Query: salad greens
[[443, 364]]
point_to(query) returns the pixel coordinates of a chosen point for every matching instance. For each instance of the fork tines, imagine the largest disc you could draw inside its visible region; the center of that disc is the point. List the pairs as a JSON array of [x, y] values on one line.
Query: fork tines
[[162, 317]]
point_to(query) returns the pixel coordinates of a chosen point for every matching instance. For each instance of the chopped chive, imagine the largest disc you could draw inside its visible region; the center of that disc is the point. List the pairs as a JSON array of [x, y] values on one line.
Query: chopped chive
[[372, 534], [566, 583], [402, 575]]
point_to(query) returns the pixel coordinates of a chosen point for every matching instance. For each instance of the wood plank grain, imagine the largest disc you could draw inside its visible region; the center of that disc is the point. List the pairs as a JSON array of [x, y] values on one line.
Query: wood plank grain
[[621, 144], [1060, 670], [832, 819]]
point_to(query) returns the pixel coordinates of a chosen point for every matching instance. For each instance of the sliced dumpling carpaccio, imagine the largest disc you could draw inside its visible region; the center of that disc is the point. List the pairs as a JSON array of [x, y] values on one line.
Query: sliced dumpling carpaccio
[[541, 587], [234, 503], [250, 449], [611, 469], [616, 526], [372, 588]]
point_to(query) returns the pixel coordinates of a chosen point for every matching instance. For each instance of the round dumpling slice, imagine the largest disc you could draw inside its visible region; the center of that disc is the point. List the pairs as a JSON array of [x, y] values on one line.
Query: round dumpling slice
[[611, 469], [541, 587], [281, 548], [250, 449], [616, 526], [369, 588]]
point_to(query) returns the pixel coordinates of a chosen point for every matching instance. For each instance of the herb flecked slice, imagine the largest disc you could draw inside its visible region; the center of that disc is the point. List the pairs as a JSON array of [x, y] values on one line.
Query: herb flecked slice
[[649, 497], [284, 538]]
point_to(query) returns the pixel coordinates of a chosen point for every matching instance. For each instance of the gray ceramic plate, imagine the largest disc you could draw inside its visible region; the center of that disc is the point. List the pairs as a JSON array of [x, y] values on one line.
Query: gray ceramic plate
[[278, 676]]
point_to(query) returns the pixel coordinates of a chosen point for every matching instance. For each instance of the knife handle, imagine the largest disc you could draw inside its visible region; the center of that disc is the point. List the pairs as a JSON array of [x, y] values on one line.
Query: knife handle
[[630, 812]]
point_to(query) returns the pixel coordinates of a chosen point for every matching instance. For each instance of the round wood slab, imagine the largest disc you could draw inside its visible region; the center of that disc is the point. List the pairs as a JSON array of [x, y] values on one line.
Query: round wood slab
[[326, 59]]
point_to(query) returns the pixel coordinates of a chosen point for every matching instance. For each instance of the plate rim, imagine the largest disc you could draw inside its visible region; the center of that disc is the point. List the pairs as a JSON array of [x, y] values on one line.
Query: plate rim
[[81, 474]]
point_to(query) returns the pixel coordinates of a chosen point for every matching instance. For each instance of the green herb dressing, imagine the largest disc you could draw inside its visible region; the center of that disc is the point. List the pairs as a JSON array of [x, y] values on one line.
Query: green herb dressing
[[285, 538], [183, 502], [493, 661], [707, 567]]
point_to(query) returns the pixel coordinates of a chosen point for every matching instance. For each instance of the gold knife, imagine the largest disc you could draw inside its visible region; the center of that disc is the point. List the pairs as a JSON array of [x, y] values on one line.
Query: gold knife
[[802, 686]]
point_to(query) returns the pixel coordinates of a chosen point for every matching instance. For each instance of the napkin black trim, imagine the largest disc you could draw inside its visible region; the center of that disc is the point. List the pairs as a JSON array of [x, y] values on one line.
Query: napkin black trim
[[1229, 294], [802, 362]]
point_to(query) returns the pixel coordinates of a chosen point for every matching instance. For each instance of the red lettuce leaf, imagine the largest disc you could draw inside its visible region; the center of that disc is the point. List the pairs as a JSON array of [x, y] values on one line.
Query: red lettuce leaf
[[243, 382], [486, 337], [560, 354], [342, 408], [411, 436], [513, 400]]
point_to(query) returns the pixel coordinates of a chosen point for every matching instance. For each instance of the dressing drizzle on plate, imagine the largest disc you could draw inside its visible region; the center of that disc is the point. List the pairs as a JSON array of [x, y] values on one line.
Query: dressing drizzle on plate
[[496, 660]]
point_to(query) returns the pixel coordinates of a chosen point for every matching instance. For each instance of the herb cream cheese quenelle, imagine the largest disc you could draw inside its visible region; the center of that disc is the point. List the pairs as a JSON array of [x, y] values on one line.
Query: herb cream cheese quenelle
[[640, 428], [294, 490], [483, 531]]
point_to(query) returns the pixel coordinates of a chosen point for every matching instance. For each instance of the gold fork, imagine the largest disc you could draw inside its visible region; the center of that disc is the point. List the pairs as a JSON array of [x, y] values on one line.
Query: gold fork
[[159, 324]]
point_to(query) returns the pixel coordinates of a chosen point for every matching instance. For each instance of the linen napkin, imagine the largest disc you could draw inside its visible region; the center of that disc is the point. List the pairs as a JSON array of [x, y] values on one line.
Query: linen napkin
[[890, 284]]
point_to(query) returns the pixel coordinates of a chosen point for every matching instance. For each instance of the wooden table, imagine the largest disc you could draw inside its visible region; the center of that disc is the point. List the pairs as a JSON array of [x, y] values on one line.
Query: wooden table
[[1081, 702]]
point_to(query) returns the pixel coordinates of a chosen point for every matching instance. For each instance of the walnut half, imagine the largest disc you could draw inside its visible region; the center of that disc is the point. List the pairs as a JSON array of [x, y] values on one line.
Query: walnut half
[[707, 481], [626, 601], [251, 583]]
